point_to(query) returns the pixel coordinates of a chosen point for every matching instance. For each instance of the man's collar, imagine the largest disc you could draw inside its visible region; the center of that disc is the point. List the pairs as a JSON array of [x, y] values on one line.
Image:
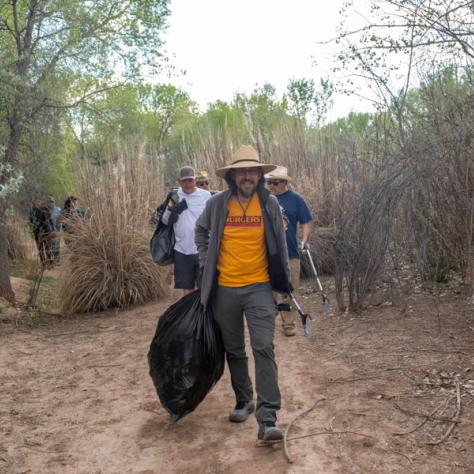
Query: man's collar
[[284, 192], [184, 193]]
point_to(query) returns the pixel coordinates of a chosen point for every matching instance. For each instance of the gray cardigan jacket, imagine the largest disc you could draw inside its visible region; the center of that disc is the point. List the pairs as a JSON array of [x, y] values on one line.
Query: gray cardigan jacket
[[208, 235]]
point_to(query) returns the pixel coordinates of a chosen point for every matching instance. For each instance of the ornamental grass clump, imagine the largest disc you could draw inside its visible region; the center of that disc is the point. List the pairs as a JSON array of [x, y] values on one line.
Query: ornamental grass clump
[[109, 263]]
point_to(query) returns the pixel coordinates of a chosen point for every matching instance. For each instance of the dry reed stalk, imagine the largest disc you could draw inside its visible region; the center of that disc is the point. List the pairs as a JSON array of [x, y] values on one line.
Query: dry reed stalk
[[356, 178]]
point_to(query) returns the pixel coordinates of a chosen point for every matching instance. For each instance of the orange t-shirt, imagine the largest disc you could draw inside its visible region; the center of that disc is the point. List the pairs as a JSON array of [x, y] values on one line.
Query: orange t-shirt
[[243, 257]]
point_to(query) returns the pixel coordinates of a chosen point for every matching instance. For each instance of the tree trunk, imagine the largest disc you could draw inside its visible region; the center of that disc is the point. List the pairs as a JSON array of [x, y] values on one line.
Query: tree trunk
[[11, 153], [13, 144], [5, 285]]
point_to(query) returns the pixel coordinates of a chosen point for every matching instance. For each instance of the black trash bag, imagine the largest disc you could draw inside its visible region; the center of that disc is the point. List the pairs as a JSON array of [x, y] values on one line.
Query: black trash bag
[[162, 244], [186, 356]]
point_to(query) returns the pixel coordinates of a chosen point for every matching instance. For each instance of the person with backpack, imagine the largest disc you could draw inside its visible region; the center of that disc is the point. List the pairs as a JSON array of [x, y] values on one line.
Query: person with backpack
[[42, 229], [184, 207]]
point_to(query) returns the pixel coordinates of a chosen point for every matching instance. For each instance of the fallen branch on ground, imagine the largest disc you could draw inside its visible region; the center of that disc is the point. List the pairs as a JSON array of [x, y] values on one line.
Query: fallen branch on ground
[[73, 333], [285, 437], [455, 419], [427, 417], [377, 375], [424, 415], [317, 433], [103, 366], [341, 380]]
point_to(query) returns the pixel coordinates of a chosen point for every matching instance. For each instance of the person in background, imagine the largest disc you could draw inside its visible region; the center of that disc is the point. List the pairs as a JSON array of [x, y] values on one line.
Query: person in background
[[185, 206], [55, 212], [297, 212], [243, 255], [70, 214], [42, 227], [202, 181]]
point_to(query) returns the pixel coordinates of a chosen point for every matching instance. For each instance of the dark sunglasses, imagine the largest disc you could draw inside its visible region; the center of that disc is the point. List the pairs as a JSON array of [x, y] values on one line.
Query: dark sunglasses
[[202, 183], [274, 183]]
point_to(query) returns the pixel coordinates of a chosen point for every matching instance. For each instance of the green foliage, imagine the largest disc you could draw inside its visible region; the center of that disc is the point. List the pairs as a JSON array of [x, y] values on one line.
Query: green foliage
[[59, 164], [35, 318], [9, 181], [53, 56], [57, 54], [305, 101], [129, 116], [300, 97]]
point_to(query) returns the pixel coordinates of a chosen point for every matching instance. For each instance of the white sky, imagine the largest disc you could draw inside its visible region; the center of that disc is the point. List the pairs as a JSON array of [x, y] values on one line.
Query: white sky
[[229, 46]]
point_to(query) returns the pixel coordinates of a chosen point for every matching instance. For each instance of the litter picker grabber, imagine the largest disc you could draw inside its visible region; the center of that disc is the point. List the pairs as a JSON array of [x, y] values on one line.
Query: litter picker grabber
[[315, 275], [304, 316]]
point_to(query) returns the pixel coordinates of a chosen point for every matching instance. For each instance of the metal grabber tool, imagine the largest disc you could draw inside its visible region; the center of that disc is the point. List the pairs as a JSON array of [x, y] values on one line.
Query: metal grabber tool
[[304, 316], [315, 275]]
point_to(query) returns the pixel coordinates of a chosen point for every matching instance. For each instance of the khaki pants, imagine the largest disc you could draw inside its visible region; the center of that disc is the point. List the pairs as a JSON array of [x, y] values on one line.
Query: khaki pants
[[288, 318]]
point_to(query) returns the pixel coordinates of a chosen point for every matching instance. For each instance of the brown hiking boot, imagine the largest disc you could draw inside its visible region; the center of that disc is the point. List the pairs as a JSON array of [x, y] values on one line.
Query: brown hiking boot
[[289, 331]]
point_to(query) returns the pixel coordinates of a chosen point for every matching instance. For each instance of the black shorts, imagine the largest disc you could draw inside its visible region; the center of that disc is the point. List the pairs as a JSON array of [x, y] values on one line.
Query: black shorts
[[186, 271]]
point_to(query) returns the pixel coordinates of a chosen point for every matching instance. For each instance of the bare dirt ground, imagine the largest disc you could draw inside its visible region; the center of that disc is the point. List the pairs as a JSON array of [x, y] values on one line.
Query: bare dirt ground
[[76, 396]]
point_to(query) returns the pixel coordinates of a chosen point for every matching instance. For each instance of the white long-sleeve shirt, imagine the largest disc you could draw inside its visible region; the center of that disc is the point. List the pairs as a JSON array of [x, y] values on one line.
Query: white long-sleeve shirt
[[184, 226]]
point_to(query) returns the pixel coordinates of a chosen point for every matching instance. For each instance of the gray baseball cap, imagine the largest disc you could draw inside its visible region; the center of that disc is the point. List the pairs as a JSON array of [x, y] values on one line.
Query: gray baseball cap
[[186, 172]]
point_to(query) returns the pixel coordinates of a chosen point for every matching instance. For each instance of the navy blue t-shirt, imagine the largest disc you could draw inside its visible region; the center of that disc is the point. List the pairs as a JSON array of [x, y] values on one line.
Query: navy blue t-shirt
[[297, 212]]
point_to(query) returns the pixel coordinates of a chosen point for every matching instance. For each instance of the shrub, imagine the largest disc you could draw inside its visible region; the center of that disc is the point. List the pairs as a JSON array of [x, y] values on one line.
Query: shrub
[[109, 262]]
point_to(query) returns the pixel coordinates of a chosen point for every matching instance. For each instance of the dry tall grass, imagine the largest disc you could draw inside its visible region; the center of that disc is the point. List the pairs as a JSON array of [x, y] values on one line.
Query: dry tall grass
[[21, 245], [109, 262], [381, 201]]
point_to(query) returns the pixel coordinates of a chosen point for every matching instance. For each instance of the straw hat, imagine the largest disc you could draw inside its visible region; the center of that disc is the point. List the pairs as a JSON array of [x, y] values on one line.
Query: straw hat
[[201, 176], [245, 157], [281, 173]]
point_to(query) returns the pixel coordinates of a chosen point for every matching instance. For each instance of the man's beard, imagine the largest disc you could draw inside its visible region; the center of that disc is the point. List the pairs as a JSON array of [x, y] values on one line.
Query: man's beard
[[246, 192]]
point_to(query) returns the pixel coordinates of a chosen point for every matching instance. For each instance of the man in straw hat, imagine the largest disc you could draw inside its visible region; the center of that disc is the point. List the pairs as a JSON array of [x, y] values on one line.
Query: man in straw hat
[[202, 180], [297, 212], [242, 252]]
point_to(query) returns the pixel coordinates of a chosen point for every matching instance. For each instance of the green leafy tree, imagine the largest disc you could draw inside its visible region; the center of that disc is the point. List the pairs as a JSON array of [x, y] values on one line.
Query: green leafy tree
[[43, 41], [300, 94], [129, 115]]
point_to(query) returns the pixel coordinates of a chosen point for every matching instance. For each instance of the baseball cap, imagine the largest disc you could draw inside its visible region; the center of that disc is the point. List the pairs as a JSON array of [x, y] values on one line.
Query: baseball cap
[[186, 172]]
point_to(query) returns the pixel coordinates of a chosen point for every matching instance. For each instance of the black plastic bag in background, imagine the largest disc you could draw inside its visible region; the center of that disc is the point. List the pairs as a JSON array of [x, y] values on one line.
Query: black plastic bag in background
[[186, 356], [162, 244]]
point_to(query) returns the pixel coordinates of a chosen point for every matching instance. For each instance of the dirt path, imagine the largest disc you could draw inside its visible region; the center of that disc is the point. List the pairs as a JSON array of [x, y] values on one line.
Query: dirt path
[[76, 398]]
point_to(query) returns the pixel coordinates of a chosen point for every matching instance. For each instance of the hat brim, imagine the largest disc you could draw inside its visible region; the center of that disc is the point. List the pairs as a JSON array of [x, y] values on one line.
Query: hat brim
[[266, 168], [279, 177]]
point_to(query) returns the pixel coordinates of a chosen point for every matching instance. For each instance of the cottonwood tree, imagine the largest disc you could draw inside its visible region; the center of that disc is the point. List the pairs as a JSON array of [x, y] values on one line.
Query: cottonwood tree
[[447, 25], [397, 37], [42, 41], [128, 115]]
